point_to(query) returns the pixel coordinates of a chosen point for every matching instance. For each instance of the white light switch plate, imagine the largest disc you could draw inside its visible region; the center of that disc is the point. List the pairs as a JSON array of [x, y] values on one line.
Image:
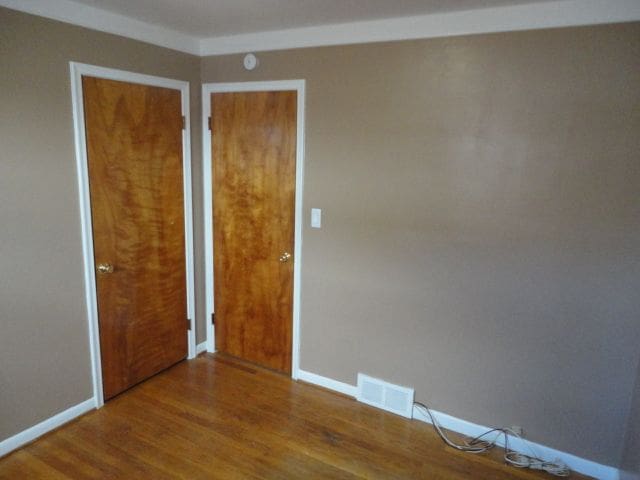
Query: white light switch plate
[[316, 217]]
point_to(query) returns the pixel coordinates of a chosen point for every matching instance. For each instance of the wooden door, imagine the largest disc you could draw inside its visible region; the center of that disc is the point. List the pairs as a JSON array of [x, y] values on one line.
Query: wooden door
[[134, 153], [254, 161]]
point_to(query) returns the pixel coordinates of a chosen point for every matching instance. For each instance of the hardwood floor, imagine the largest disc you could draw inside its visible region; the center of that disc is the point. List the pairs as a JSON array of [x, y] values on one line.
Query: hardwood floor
[[217, 418]]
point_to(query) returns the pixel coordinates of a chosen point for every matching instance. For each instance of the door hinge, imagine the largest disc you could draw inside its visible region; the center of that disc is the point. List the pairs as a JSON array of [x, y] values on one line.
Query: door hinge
[[213, 318], [188, 324], [184, 122], [210, 123]]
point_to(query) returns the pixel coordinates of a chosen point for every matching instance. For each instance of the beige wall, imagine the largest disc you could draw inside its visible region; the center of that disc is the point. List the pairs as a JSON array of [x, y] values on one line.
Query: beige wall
[[44, 357], [480, 239], [631, 455], [480, 236]]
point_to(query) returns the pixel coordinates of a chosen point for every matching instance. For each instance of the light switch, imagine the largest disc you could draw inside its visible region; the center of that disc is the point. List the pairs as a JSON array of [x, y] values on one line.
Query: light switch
[[316, 217]]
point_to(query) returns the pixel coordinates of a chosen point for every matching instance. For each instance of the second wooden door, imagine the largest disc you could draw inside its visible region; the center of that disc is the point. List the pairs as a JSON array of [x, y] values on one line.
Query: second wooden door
[[254, 162]]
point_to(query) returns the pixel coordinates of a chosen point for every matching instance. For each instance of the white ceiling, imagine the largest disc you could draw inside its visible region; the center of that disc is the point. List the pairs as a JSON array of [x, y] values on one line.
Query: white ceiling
[[215, 18], [216, 27]]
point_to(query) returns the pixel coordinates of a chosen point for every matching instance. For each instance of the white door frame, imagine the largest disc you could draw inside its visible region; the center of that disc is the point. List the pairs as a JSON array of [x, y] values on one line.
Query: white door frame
[[77, 71], [207, 90]]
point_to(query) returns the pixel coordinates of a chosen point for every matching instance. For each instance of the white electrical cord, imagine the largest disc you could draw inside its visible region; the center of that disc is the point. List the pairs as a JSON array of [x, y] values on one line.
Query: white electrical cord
[[511, 457]]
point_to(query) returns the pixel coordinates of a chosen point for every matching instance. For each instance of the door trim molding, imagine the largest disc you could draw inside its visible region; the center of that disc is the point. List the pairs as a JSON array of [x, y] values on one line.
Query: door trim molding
[[77, 70], [278, 85]]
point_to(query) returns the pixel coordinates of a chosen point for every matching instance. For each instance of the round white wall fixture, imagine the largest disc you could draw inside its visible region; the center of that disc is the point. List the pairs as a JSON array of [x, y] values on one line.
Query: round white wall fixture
[[250, 61]]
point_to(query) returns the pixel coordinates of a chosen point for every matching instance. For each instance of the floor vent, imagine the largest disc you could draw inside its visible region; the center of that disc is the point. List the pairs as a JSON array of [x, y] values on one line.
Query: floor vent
[[384, 395]]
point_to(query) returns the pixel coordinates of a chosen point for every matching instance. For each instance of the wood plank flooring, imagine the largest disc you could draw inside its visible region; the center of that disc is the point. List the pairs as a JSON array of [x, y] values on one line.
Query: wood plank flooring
[[218, 418]]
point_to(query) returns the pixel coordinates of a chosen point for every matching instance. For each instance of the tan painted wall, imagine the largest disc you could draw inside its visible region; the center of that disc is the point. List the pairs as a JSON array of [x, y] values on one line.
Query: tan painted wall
[[44, 357], [481, 233], [480, 237], [631, 455]]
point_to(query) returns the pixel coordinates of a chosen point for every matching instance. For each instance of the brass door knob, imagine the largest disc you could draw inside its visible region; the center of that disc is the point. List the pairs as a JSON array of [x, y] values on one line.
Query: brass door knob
[[105, 268], [285, 257]]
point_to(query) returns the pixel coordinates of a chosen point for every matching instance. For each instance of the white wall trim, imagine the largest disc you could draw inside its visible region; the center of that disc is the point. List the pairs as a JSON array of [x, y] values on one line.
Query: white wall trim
[[329, 383], [77, 70], [207, 199], [577, 464], [201, 347], [207, 90], [51, 423], [103, 21], [188, 213], [563, 13], [500, 19]]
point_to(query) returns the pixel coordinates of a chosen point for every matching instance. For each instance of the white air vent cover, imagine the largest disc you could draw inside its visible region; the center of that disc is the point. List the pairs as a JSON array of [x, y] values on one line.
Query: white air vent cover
[[384, 395]]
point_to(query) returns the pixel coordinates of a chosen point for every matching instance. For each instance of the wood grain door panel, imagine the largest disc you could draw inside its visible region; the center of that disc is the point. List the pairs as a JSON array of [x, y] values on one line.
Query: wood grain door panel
[[254, 161], [134, 153]]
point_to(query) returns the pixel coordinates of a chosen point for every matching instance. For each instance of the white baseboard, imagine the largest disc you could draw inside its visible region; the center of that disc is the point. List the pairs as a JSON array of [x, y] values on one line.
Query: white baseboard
[[577, 464], [45, 426], [329, 383], [580, 465], [201, 347]]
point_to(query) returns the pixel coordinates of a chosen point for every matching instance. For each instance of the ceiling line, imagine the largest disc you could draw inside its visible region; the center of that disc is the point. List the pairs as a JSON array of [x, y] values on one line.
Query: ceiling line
[[563, 13], [487, 20], [101, 20]]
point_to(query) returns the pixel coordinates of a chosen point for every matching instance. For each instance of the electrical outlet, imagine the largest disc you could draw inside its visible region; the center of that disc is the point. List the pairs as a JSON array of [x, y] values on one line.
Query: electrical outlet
[[517, 429]]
